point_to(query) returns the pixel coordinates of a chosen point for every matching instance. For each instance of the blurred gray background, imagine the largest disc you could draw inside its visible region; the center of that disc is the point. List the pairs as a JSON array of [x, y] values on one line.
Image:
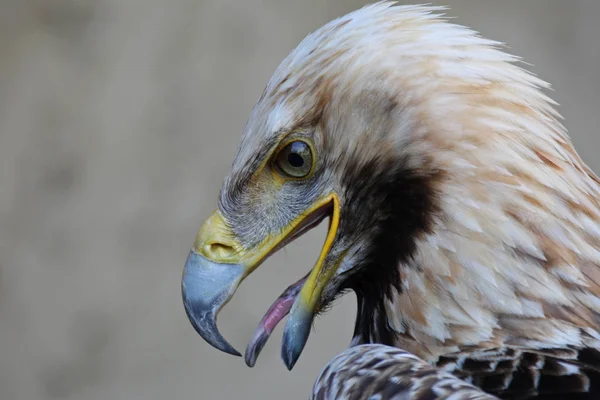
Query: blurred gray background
[[118, 122]]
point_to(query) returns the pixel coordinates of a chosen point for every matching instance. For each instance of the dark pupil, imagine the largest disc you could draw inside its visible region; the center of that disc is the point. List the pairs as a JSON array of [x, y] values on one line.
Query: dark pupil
[[295, 160]]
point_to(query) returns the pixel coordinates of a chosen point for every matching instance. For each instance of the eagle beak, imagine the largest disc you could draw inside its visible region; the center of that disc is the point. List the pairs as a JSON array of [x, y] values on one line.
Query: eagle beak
[[299, 322], [211, 276], [218, 263], [206, 287]]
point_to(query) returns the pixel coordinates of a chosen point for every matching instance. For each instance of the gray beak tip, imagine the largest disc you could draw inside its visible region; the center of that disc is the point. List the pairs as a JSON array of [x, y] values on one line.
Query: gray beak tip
[[295, 335], [205, 323], [206, 287]]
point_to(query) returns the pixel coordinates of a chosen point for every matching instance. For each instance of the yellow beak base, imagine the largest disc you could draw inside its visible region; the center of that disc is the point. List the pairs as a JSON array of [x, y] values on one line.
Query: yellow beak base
[[218, 263]]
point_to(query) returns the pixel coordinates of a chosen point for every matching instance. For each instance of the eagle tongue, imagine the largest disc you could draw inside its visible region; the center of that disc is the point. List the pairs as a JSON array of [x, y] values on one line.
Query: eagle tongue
[[278, 310]]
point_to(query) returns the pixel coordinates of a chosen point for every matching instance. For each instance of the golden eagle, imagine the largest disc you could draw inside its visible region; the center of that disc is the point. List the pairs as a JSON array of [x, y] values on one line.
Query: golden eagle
[[459, 212]]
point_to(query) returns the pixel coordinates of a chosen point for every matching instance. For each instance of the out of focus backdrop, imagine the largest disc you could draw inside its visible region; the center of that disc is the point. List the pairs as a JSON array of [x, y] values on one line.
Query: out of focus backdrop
[[118, 121]]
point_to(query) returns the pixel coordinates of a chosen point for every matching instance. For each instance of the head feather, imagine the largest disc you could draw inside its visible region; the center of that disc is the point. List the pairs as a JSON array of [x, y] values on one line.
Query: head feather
[[514, 255]]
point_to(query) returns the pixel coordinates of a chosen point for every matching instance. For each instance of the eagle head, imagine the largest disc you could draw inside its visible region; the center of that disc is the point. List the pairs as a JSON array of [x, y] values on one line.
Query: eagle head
[[413, 137]]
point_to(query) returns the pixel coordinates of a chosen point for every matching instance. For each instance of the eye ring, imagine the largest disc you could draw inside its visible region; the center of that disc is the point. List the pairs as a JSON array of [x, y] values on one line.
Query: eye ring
[[295, 160]]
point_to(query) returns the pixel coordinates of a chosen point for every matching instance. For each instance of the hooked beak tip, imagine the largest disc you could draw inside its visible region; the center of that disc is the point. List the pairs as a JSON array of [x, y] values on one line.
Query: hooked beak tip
[[205, 323], [206, 287]]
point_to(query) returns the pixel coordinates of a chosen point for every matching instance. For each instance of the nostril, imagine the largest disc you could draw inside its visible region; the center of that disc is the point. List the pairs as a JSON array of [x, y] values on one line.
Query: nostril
[[220, 250]]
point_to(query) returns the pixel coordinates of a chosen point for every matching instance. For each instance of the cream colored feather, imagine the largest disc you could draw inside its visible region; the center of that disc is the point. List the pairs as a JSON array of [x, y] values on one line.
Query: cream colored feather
[[512, 265]]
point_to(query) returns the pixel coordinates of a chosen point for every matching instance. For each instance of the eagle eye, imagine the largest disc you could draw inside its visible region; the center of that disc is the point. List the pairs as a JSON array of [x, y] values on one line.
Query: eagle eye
[[295, 160]]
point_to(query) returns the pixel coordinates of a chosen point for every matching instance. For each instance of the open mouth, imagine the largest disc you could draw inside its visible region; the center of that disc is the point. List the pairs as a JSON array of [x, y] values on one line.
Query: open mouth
[[218, 264], [282, 306], [278, 311], [308, 223]]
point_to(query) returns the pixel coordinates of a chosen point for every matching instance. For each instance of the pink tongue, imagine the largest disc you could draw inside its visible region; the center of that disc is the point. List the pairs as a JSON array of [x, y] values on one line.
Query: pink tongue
[[280, 308]]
